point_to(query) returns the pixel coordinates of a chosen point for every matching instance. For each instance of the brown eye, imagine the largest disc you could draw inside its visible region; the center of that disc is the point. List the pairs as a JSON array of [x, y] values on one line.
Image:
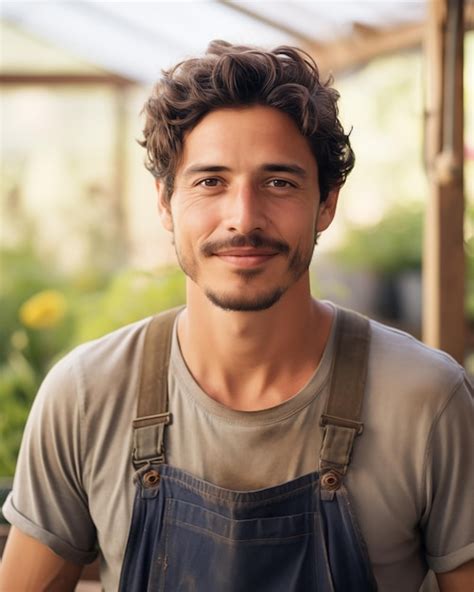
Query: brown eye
[[280, 183], [211, 182]]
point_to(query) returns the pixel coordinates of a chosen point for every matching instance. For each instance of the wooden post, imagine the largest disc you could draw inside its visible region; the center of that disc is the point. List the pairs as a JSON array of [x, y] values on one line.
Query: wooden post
[[120, 172], [443, 258]]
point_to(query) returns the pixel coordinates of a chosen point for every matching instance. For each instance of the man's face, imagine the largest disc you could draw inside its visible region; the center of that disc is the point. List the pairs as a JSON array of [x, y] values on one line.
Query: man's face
[[244, 210]]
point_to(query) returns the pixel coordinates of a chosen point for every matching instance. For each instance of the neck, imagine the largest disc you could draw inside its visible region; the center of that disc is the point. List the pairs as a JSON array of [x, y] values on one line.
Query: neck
[[259, 359]]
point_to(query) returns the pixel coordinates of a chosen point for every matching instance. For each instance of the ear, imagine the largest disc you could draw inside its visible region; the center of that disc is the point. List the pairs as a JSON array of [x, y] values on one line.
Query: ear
[[164, 206], [327, 210]]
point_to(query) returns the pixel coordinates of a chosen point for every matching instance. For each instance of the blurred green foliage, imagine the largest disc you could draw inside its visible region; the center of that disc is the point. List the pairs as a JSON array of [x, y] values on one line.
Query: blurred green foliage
[[96, 303], [395, 245], [392, 245]]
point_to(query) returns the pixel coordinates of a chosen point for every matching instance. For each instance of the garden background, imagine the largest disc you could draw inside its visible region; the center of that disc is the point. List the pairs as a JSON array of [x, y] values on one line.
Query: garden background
[[82, 251]]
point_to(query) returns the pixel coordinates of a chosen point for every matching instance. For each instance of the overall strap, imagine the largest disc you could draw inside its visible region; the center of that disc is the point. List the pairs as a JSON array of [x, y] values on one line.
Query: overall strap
[[341, 418], [152, 400]]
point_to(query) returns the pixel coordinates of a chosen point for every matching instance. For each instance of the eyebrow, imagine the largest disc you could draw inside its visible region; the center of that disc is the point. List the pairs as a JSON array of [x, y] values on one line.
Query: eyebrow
[[281, 167], [271, 167], [205, 168]]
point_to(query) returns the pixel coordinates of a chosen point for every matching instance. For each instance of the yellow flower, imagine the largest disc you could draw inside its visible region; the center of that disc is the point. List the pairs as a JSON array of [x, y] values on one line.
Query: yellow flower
[[43, 310]]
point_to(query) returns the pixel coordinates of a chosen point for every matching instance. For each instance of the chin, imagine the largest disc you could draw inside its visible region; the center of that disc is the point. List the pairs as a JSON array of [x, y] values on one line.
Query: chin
[[245, 303]]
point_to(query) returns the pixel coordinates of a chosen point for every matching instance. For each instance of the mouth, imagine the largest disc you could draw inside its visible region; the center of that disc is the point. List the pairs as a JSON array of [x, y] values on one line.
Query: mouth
[[246, 257]]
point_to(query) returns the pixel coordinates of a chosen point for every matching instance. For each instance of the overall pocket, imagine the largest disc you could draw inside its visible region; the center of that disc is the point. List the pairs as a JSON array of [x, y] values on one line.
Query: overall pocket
[[206, 551]]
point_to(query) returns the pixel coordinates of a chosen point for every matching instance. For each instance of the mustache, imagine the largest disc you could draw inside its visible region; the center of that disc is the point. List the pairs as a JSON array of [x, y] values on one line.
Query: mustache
[[253, 240]]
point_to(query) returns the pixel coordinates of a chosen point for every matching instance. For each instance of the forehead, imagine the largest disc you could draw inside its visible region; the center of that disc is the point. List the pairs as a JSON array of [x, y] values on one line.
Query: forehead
[[246, 135]]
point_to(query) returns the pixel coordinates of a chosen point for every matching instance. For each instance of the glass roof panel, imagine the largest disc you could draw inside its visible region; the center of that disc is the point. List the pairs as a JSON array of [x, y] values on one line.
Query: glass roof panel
[[137, 39], [21, 53]]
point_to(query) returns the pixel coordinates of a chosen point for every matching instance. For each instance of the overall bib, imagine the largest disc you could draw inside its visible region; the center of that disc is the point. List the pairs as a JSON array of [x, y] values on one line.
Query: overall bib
[[189, 535]]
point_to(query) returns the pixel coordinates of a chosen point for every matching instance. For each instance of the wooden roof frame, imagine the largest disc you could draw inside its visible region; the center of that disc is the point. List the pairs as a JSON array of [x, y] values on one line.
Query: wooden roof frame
[[364, 43], [58, 78]]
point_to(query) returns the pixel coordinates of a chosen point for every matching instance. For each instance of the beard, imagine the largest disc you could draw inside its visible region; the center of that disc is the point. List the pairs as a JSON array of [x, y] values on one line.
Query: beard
[[249, 299], [243, 302]]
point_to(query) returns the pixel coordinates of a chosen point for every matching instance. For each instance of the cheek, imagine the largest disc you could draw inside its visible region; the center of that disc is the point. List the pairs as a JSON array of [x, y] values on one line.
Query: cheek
[[194, 224], [299, 225]]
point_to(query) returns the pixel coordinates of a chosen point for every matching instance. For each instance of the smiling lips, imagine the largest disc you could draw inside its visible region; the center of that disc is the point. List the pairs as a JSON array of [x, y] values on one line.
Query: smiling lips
[[246, 257]]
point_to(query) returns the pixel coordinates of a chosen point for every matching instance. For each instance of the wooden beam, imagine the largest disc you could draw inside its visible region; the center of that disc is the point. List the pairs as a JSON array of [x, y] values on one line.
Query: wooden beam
[[344, 53], [443, 261], [64, 78], [365, 44], [244, 8]]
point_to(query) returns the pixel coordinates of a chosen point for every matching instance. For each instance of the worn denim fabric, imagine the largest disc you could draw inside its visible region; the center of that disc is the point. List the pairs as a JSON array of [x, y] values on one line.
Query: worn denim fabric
[[189, 535]]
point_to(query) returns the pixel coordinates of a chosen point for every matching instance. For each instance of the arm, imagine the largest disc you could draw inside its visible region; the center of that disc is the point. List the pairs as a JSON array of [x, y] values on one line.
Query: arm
[[460, 579], [48, 504], [447, 524], [30, 566]]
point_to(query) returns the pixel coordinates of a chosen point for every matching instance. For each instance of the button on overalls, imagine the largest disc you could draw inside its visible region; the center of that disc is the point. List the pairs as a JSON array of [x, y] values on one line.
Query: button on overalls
[[189, 535]]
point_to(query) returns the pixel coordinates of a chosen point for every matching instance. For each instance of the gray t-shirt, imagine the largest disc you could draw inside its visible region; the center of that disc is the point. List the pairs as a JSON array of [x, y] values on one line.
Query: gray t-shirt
[[410, 480]]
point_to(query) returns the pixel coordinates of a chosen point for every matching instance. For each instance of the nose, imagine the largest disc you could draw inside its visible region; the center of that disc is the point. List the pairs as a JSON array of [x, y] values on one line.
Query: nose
[[246, 210]]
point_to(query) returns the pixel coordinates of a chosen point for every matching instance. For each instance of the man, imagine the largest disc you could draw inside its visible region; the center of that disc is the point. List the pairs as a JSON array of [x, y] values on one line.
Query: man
[[293, 446]]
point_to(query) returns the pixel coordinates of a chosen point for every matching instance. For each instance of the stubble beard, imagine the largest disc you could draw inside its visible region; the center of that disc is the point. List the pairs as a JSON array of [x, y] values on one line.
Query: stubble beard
[[298, 264]]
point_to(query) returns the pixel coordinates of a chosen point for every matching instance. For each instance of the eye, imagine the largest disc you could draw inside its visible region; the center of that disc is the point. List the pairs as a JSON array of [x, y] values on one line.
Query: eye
[[280, 183], [209, 182]]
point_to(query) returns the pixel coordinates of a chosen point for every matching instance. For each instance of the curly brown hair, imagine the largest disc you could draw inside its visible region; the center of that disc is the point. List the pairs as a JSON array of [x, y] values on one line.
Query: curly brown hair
[[228, 75]]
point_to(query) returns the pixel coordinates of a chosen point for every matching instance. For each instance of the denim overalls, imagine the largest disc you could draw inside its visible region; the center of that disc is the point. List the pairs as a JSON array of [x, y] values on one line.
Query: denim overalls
[[301, 536]]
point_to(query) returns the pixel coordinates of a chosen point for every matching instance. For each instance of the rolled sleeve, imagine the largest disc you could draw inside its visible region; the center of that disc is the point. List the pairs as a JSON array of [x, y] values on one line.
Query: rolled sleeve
[[60, 546], [48, 500]]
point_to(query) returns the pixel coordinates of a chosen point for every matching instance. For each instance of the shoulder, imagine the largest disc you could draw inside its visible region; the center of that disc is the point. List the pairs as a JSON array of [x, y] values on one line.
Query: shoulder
[[411, 391], [407, 365], [107, 358], [98, 370], [111, 350]]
